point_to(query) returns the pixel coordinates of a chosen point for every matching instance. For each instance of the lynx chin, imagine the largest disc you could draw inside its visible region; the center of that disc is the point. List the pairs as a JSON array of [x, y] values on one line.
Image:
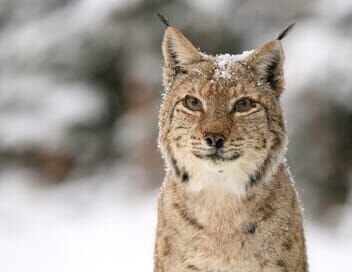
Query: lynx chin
[[227, 203]]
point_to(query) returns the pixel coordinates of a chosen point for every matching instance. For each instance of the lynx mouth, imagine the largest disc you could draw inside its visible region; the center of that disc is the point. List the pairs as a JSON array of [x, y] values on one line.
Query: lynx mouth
[[217, 157]]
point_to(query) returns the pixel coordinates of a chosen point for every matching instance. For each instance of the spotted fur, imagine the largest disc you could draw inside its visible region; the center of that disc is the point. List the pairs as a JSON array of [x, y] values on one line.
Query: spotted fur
[[235, 209]]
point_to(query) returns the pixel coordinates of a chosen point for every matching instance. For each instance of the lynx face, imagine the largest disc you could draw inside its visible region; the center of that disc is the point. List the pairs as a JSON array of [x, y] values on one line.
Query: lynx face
[[221, 124]]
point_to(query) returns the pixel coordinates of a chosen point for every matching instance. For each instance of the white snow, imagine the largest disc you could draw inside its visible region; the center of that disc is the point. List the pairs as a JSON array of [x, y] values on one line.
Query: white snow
[[89, 225], [97, 224], [31, 115], [225, 63]]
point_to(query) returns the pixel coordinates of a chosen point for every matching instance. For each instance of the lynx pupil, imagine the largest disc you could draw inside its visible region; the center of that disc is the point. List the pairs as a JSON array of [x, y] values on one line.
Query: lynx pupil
[[194, 102]]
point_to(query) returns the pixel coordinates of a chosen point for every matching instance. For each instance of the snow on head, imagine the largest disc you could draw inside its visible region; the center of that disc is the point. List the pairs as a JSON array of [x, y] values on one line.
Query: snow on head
[[225, 62]]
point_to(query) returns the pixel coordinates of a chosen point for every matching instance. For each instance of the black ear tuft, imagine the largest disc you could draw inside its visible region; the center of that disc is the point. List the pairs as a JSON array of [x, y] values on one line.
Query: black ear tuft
[[163, 19], [284, 33]]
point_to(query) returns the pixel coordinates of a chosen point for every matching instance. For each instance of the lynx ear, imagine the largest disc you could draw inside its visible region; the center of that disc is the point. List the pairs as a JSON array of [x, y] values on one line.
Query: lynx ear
[[267, 62], [178, 51]]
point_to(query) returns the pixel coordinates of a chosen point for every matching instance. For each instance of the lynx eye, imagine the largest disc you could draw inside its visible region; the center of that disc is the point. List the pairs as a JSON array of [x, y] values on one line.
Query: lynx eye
[[244, 104], [192, 103]]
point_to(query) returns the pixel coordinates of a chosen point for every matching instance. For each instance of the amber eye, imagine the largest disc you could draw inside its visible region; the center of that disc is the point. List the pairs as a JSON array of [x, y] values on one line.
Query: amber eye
[[192, 103], [244, 104]]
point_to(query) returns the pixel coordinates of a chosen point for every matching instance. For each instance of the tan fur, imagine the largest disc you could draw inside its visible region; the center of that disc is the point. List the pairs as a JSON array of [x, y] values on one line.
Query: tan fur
[[241, 212]]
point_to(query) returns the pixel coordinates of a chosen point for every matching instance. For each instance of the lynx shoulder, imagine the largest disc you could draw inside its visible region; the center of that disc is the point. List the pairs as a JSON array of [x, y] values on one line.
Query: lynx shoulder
[[227, 202]]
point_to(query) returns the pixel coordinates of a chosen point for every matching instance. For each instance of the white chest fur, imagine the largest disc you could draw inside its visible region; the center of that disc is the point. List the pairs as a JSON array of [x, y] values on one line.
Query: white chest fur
[[225, 176]]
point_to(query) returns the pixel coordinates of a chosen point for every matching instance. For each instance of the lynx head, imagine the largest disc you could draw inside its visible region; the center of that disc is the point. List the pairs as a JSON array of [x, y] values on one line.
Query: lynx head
[[221, 123]]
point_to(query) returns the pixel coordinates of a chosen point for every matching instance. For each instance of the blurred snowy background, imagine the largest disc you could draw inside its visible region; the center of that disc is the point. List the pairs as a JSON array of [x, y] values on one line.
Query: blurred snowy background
[[80, 87]]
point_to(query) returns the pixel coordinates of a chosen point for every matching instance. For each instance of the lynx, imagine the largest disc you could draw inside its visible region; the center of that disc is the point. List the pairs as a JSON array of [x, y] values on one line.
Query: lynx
[[227, 203]]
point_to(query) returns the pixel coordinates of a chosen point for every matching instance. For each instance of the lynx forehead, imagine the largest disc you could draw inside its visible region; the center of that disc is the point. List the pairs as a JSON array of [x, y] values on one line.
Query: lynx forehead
[[227, 202]]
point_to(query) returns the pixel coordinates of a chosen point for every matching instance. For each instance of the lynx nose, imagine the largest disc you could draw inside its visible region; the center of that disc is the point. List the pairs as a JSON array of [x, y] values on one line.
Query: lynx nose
[[214, 139]]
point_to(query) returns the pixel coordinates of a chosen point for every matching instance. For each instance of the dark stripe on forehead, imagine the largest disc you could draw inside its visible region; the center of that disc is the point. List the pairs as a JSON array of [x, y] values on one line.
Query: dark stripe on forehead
[[202, 87], [186, 79]]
